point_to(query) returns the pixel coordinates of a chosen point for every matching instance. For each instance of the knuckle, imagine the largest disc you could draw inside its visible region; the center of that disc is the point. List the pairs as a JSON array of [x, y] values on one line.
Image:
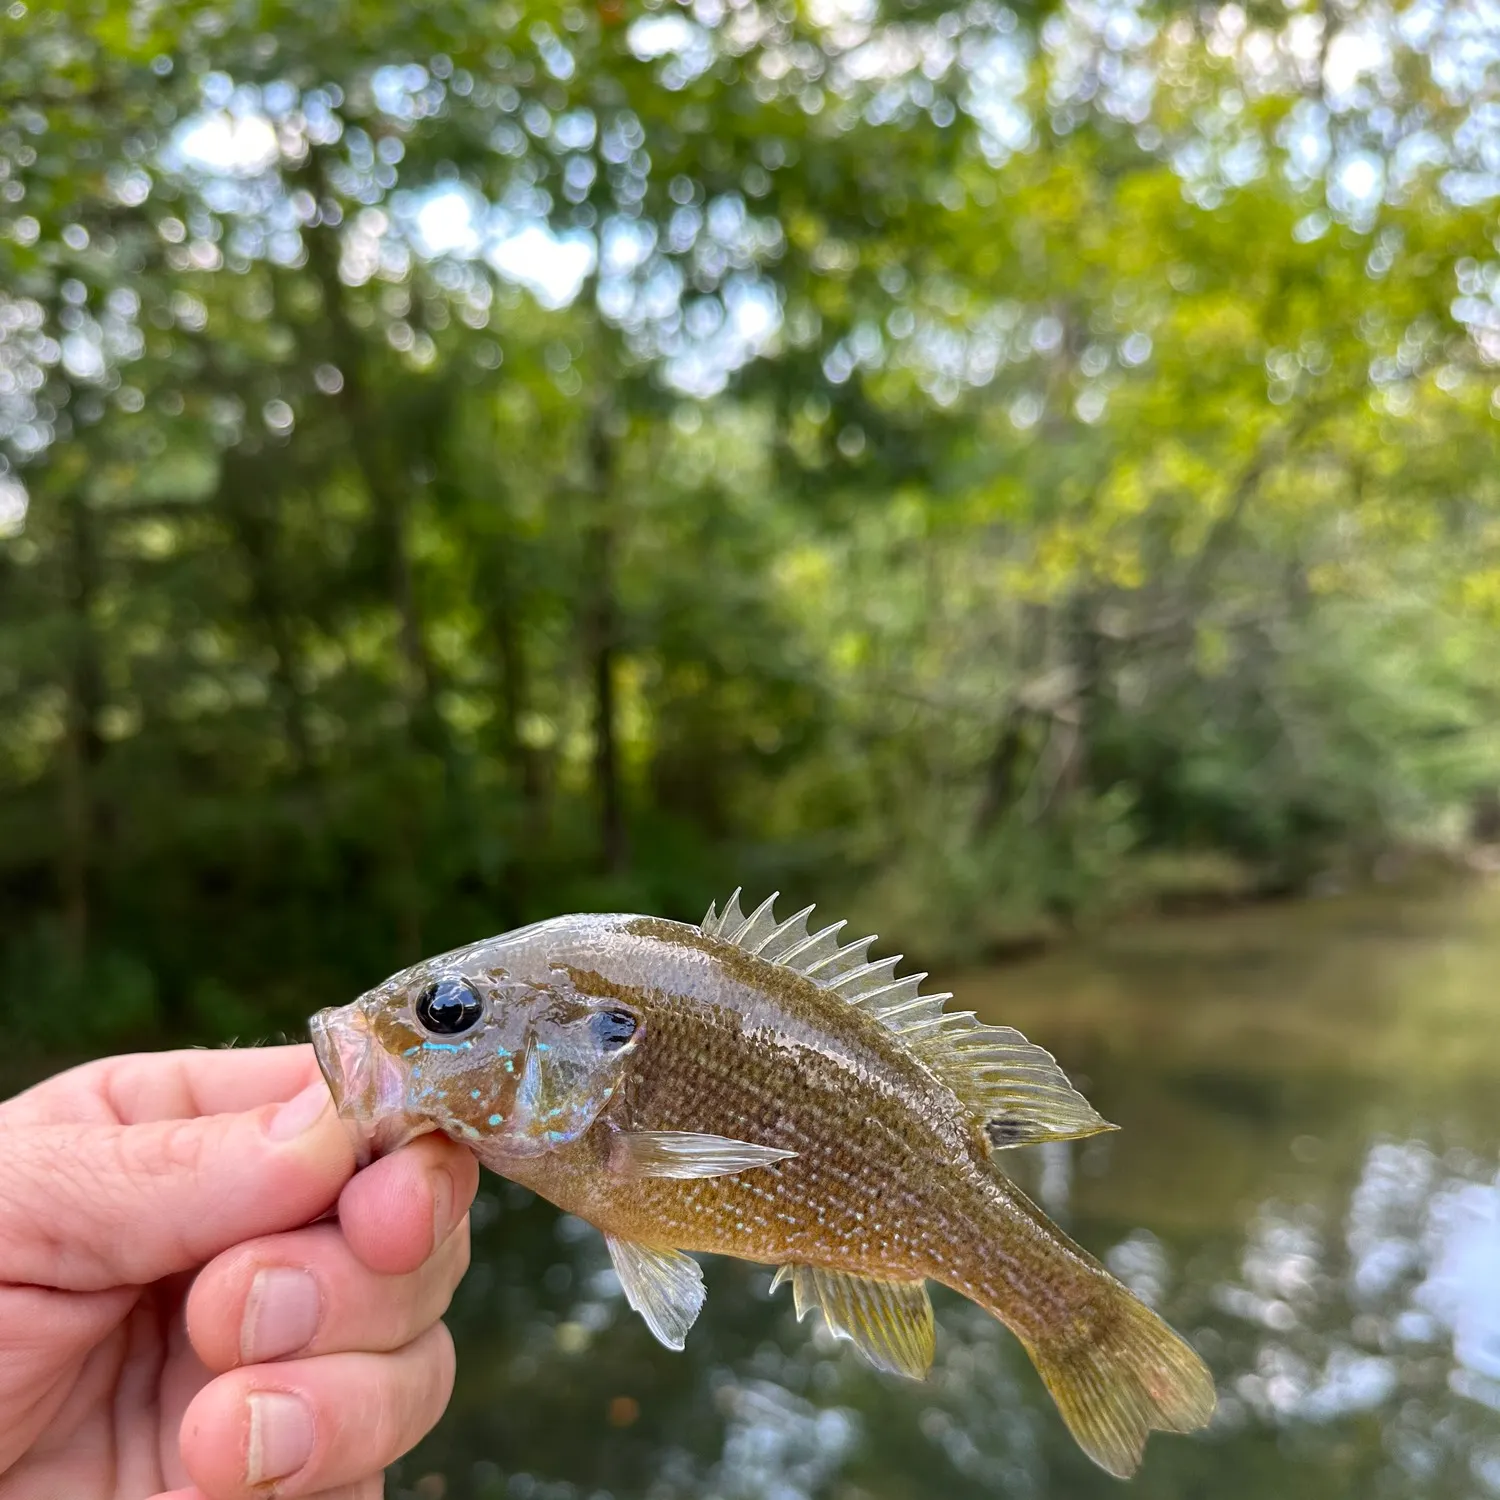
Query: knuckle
[[164, 1153], [55, 1212], [429, 1370], [410, 1395], [463, 1252], [144, 1169], [23, 1235], [438, 1281], [445, 1366]]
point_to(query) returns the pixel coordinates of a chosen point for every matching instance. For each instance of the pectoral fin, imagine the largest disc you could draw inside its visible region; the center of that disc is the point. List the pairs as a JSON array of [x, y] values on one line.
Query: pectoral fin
[[684, 1153], [890, 1322], [664, 1286]]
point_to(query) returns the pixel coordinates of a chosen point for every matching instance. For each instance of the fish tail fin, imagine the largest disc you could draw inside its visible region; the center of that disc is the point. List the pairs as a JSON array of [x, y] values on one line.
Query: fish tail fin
[[1117, 1371]]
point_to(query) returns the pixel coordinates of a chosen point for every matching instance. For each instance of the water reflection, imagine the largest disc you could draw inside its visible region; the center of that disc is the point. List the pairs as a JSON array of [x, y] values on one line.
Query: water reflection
[[1306, 1183]]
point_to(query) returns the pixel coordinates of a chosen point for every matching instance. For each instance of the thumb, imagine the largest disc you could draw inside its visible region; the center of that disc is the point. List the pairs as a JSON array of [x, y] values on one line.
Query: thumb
[[83, 1207]]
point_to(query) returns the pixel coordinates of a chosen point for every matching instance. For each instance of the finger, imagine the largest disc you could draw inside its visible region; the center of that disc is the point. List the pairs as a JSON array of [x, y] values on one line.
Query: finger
[[307, 1293], [372, 1488], [399, 1208], [145, 1086], [46, 1336], [93, 1206], [182, 1085], [315, 1424]]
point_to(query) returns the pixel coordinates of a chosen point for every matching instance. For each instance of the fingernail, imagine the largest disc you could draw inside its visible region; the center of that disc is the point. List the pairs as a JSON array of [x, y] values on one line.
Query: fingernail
[[281, 1436], [443, 1195], [297, 1114], [281, 1314]]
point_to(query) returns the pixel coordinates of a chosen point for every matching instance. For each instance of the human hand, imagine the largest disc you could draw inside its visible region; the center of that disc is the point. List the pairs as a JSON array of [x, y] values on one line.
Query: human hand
[[171, 1321]]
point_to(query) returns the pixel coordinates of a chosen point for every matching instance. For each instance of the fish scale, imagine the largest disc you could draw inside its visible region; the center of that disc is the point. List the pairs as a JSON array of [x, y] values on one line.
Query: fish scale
[[761, 1090]]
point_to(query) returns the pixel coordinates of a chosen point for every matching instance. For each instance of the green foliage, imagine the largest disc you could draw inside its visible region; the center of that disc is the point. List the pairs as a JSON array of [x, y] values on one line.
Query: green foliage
[[992, 467]]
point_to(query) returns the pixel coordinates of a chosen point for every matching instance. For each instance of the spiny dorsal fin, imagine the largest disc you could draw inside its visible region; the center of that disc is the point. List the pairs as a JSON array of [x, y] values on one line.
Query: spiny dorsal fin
[[1013, 1088]]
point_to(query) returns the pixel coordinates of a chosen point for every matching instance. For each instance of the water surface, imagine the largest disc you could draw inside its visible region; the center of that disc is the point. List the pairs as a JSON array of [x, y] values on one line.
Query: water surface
[[1305, 1182]]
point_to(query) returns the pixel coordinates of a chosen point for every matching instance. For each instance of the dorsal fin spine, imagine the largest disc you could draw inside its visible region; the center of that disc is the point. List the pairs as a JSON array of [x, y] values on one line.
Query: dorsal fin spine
[[931, 1023], [858, 983], [792, 955], [731, 919], [860, 946], [903, 1017], [765, 948], [890, 994], [748, 937]]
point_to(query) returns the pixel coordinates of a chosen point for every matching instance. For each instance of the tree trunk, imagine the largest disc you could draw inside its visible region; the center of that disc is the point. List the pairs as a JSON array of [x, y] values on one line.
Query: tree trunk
[[1003, 779], [83, 744], [383, 481], [246, 496], [600, 636], [386, 487], [515, 689], [1086, 649]]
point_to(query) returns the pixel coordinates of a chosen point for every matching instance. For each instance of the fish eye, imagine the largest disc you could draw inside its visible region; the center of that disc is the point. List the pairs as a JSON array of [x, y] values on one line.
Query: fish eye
[[449, 1006], [613, 1028]]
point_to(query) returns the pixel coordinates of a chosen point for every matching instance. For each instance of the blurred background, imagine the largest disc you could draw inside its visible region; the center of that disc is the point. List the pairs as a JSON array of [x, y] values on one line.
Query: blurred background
[[1027, 477]]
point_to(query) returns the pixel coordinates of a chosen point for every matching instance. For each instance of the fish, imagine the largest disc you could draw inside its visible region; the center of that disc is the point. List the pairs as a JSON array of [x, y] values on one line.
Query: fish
[[758, 1088]]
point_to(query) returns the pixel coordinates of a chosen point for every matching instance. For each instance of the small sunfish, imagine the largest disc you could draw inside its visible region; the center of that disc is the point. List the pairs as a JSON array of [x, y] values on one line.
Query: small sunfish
[[750, 1088]]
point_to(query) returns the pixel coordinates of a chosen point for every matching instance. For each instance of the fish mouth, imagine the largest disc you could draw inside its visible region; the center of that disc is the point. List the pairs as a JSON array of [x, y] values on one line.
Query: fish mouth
[[367, 1083], [339, 1063]]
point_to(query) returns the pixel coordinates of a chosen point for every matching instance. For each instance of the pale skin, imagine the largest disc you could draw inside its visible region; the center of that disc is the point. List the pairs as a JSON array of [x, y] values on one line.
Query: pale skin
[[173, 1323]]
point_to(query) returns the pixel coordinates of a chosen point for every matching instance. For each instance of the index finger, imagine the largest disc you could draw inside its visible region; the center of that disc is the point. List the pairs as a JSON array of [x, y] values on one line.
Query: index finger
[[143, 1087]]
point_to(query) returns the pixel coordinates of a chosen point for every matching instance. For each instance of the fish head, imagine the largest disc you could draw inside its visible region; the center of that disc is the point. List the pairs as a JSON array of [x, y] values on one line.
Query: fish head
[[513, 1066]]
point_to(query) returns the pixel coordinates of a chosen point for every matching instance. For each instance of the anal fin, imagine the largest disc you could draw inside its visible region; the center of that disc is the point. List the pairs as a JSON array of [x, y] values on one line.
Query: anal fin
[[889, 1322], [664, 1286]]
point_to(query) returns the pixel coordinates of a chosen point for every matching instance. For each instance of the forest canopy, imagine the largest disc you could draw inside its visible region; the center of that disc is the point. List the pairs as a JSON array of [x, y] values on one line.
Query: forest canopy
[[992, 467]]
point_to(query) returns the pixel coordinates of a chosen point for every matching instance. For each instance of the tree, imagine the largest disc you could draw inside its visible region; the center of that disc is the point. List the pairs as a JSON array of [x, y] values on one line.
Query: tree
[[464, 464]]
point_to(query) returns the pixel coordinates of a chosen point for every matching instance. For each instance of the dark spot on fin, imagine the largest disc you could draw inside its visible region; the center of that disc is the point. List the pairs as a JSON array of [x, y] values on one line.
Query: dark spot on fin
[[1005, 1132]]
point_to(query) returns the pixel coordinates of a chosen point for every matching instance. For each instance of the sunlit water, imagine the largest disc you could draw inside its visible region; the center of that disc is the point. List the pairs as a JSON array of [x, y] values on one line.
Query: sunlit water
[[1305, 1182]]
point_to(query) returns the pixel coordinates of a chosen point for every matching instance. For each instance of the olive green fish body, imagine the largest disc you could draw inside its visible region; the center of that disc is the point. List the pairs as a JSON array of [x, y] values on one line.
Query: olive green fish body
[[889, 1176], [752, 1089]]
